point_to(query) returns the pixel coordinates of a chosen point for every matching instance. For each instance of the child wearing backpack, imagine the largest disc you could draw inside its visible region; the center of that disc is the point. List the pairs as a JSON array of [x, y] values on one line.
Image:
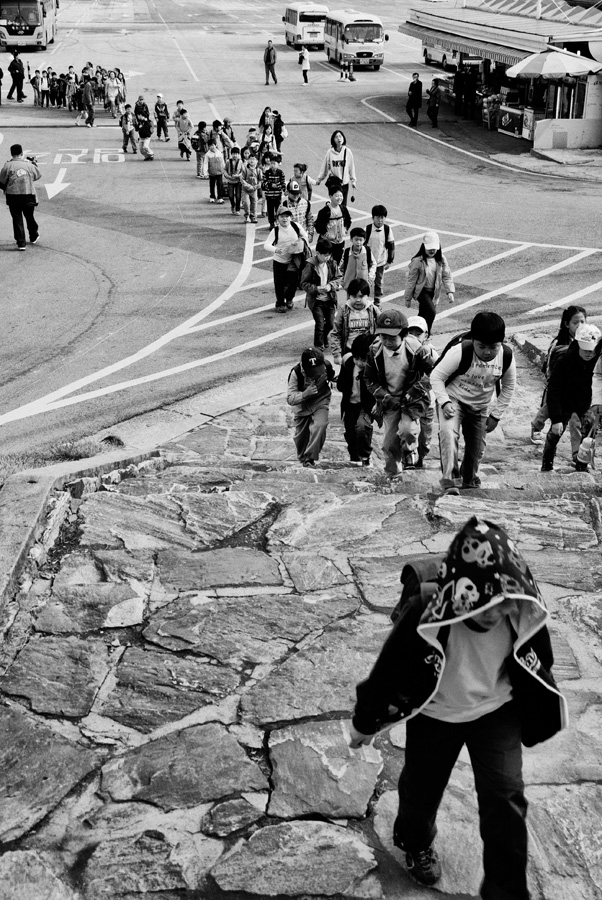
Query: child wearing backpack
[[128, 127], [471, 666], [321, 280], [215, 167], [358, 316], [284, 241], [357, 403], [309, 393], [572, 317], [250, 182], [201, 140], [304, 181], [380, 240], [273, 185], [419, 329], [464, 381], [333, 220], [570, 392], [357, 261]]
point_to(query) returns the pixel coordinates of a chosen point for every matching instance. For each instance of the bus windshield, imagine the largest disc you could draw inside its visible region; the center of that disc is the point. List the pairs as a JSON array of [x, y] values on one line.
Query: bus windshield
[[312, 17], [21, 12], [362, 34]]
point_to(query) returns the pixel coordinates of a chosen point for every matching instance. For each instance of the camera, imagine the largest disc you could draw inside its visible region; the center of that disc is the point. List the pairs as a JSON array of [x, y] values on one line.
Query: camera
[[32, 159]]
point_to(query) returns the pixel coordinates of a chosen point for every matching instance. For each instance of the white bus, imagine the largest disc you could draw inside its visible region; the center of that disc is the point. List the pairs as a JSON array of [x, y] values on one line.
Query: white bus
[[355, 37], [27, 23], [304, 24]]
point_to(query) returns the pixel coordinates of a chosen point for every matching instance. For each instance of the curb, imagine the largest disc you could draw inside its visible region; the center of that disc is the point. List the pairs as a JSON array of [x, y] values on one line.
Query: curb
[[24, 503], [529, 348]]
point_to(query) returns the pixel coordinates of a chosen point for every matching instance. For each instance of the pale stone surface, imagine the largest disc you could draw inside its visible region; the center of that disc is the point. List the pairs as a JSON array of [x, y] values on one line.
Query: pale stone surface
[[217, 568], [116, 521], [256, 629], [81, 608], [205, 763], [378, 578], [154, 688], [312, 572], [213, 517], [308, 858], [37, 768], [79, 567], [126, 565], [321, 678], [58, 675], [29, 874], [587, 611], [315, 771], [229, 816], [576, 571], [143, 864], [555, 523]]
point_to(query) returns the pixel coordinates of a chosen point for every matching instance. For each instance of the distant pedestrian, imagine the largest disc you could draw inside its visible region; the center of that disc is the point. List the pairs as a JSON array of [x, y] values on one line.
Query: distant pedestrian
[[145, 129], [339, 163], [128, 127], [309, 394], [357, 403], [184, 129], [300, 208], [215, 168], [201, 139], [17, 181], [250, 181], [305, 65], [112, 91], [273, 186], [434, 99], [381, 241], [280, 130], [269, 60], [266, 118], [178, 112], [88, 97], [35, 84], [305, 182], [161, 117], [17, 72], [414, 99], [428, 275], [233, 179], [333, 222]]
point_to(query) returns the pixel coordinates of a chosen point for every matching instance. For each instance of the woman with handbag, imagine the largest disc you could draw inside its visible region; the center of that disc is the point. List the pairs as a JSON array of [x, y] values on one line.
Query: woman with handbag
[[286, 240]]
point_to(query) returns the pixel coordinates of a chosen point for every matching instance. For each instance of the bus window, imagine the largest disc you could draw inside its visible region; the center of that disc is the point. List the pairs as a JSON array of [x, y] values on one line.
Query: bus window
[[24, 12], [363, 33], [312, 17]]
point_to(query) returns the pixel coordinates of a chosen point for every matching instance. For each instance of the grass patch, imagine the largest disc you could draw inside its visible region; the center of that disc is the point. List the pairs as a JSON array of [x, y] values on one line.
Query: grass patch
[[62, 451], [65, 451]]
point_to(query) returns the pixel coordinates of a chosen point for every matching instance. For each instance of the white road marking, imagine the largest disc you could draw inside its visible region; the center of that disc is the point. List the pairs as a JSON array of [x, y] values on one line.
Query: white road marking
[[178, 48], [566, 301], [407, 262], [399, 74], [214, 111], [491, 259], [58, 185]]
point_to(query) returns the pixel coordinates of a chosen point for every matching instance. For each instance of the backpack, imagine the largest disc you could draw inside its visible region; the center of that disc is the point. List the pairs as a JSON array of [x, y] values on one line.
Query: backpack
[[387, 233], [347, 253], [467, 354], [418, 579]]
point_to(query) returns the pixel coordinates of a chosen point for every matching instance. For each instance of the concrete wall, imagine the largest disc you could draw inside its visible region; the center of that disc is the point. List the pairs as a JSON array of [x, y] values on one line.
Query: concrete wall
[[567, 134]]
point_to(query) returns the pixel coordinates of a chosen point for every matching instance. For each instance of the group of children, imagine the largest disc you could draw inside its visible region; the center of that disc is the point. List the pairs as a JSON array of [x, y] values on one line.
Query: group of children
[[64, 90]]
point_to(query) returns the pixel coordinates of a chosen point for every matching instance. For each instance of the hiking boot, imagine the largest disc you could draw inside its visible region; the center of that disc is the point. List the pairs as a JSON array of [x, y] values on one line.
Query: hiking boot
[[424, 867], [536, 436]]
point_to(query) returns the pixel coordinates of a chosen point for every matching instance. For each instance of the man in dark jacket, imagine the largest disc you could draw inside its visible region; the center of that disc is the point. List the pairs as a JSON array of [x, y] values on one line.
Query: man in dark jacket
[[17, 72], [269, 60], [472, 668], [88, 97], [414, 99]]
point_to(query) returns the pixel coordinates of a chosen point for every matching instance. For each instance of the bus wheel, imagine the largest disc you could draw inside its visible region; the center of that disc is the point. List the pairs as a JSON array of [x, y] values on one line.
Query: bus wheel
[[376, 68], [45, 47]]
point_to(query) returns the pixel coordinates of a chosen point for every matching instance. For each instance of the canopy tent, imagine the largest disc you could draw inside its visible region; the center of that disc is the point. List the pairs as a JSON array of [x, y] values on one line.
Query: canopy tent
[[553, 63]]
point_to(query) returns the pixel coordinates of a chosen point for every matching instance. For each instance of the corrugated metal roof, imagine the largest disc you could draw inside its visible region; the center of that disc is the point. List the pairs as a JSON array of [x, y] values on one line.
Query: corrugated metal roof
[[495, 52], [548, 9]]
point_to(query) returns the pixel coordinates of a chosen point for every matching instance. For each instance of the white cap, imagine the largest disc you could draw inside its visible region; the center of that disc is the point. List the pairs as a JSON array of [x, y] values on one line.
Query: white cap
[[418, 322], [587, 336], [160, 95], [431, 241]]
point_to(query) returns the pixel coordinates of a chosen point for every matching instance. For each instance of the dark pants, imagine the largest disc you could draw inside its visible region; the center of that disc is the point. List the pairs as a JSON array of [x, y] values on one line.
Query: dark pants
[[337, 252], [426, 307], [22, 205], [270, 70], [162, 128], [89, 114], [305, 78], [235, 194], [45, 98], [17, 86], [433, 114], [272, 204], [310, 433], [584, 424], [323, 314], [472, 423], [216, 186], [494, 746], [358, 432], [285, 283], [412, 112]]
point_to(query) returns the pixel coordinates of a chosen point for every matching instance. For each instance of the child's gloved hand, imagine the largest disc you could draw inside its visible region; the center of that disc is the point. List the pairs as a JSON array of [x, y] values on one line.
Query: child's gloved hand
[[357, 739]]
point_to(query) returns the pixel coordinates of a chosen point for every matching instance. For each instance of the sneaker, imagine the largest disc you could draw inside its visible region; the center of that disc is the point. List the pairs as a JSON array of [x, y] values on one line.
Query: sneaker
[[471, 485], [536, 436], [547, 467], [88, 125], [451, 491], [199, 176], [289, 304], [581, 466], [211, 200], [20, 248], [220, 200], [424, 867], [280, 309], [367, 463], [254, 221], [167, 139], [36, 239]]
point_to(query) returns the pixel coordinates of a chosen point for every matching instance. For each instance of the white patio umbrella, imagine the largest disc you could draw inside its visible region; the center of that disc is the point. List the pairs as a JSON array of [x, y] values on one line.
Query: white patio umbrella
[[553, 63]]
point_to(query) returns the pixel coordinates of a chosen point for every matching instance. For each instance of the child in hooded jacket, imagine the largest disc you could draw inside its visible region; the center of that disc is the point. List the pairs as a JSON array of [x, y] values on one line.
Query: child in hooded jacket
[[357, 316], [470, 665]]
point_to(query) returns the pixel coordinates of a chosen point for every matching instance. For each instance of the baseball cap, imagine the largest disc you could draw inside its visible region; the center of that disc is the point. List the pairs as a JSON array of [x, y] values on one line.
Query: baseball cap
[[390, 322], [160, 96], [417, 322], [312, 359], [587, 336], [284, 210], [431, 241], [293, 187]]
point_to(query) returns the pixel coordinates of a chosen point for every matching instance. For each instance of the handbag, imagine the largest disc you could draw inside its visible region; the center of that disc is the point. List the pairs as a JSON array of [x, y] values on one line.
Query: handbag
[[300, 60]]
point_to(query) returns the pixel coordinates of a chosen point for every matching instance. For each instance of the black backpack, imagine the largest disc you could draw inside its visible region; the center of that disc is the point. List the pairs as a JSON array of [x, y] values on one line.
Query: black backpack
[[467, 354], [418, 579]]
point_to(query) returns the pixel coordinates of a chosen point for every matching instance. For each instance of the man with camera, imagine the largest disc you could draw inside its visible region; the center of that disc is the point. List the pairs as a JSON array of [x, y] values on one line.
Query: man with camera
[[17, 181]]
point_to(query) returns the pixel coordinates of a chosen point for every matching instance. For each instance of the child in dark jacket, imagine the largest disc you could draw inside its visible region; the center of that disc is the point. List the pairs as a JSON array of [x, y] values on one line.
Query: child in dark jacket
[[320, 280], [309, 393], [358, 316], [273, 186], [473, 668], [233, 172], [570, 391], [357, 402]]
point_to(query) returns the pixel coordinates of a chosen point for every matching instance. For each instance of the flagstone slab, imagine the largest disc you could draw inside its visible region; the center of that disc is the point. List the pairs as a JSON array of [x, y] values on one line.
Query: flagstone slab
[[29, 874], [154, 688], [229, 567], [322, 677], [82, 608], [558, 523], [113, 521], [214, 517], [312, 572], [37, 768], [576, 571], [300, 858], [230, 816], [79, 567], [314, 771], [378, 578], [143, 865], [120, 566], [183, 769], [255, 629], [58, 675], [586, 610]]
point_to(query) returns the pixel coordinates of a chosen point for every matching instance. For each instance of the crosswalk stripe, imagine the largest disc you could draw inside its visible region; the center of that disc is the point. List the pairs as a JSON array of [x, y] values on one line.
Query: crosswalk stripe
[[492, 259], [565, 301]]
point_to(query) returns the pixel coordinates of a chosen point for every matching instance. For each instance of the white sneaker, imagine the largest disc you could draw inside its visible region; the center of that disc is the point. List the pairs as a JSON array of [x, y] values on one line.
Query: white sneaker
[[211, 200], [220, 200], [536, 436]]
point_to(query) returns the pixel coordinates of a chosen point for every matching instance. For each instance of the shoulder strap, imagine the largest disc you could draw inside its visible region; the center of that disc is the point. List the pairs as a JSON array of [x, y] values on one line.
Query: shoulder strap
[[465, 361], [506, 357], [368, 255], [275, 236], [368, 231], [346, 252], [387, 233], [296, 227]]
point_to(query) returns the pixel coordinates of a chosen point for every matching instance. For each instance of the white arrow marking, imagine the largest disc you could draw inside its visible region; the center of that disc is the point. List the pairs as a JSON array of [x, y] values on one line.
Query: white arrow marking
[[133, 74], [56, 186]]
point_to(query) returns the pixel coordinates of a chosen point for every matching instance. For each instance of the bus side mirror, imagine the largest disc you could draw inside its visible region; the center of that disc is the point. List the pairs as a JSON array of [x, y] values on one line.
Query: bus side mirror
[[386, 37], [44, 12], [284, 18]]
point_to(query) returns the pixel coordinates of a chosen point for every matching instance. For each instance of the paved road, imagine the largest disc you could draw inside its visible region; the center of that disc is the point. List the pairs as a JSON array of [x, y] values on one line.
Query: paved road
[[141, 293]]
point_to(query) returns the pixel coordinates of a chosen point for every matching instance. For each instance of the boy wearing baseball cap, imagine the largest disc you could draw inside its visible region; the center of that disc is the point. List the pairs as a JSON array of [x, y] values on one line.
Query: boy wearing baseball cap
[[570, 391], [309, 394], [300, 208], [396, 373]]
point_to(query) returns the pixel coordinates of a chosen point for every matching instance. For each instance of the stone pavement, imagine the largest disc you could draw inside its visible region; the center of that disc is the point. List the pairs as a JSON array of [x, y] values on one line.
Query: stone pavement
[[177, 679]]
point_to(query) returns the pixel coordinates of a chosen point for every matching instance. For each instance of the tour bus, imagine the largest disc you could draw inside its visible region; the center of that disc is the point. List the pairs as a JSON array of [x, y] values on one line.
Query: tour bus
[[355, 37], [304, 24], [437, 53], [27, 23]]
